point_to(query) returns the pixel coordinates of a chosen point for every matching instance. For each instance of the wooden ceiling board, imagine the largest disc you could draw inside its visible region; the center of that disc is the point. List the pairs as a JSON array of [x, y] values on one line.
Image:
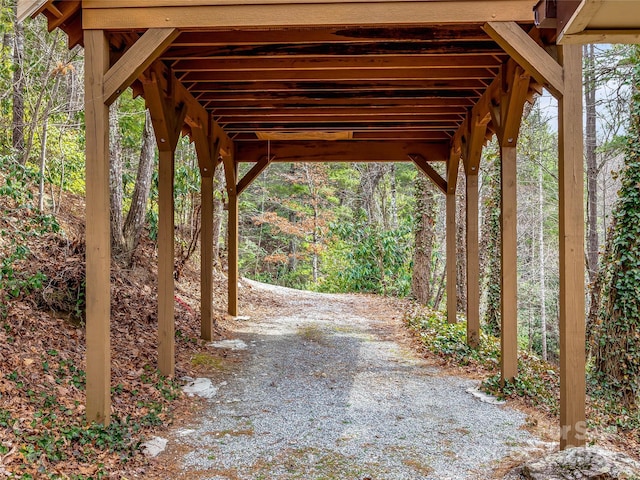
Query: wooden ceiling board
[[408, 72]]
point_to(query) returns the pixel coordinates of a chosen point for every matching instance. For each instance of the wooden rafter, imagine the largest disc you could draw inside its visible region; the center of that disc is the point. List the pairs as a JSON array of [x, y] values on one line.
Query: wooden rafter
[[325, 63]]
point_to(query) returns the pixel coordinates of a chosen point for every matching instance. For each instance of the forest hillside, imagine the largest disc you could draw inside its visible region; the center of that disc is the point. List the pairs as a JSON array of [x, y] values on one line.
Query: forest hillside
[[373, 228]]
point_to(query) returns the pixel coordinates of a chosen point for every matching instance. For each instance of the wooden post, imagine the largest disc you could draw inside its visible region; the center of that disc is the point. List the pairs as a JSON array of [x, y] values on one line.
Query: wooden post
[[508, 255], [206, 260], [452, 309], [166, 287], [473, 264], [231, 176], [98, 238], [232, 254], [571, 215], [167, 116]]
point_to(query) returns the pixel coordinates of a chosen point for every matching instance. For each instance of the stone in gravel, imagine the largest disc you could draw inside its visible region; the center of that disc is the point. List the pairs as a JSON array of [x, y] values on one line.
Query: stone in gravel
[[154, 447], [202, 387], [235, 344], [485, 397], [592, 463]]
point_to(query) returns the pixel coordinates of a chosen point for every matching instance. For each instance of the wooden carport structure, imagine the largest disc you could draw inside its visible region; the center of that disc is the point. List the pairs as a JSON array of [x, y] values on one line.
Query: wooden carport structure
[[263, 81]]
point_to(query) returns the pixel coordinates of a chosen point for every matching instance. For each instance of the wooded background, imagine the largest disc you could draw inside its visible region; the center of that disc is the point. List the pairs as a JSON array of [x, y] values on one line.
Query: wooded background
[[375, 227]]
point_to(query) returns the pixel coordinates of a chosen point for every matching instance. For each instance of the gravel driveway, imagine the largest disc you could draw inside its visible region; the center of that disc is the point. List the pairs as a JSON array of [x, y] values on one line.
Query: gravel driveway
[[324, 391]]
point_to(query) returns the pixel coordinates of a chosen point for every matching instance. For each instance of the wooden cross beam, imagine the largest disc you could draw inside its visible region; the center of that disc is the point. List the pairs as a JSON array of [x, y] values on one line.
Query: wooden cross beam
[[429, 171], [528, 54], [136, 60], [340, 150], [252, 174]]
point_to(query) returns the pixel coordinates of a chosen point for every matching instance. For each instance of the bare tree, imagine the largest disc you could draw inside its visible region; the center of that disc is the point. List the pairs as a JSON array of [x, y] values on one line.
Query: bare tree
[[19, 84], [116, 189], [135, 220], [425, 213]]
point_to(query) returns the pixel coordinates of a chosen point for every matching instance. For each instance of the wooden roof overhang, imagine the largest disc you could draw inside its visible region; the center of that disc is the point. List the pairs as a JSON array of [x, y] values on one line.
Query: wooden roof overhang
[[330, 81], [599, 21]]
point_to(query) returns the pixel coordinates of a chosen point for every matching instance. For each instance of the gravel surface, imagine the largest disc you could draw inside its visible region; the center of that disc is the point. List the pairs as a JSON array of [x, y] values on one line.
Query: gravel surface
[[324, 391]]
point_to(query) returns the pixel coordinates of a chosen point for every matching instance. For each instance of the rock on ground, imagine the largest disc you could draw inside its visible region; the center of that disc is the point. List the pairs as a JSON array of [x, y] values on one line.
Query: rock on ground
[[155, 446], [233, 344], [202, 387], [590, 463]]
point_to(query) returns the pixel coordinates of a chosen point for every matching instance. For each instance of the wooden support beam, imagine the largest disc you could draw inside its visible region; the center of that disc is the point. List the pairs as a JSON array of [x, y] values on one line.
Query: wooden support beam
[[508, 105], [324, 63], [136, 60], [252, 174], [571, 216], [232, 256], [473, 264], [206, 150], [166, 288], [29, 8], [453, 164], [430, 172], [528, 54], [508, 256], [506, 114], [287, 75], [161, 79], [168, 116], [98, 236], [121, 14], [341, 151], [230, 173], [473, 141], [206, 259], [452, 300]]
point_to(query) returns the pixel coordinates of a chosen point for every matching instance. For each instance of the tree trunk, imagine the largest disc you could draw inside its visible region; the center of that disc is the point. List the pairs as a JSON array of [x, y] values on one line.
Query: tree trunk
[[541, 261], [370, 176], [43, 145], [218, 210], [394, 196], [17, 121], [461, 251], [136, 216], [490, 252], [424, 237], [592, 163], [26, 152], [115, 182]]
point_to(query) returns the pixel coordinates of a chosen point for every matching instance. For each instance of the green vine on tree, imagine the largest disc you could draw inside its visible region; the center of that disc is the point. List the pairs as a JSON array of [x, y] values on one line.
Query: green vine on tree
[[617, 334]]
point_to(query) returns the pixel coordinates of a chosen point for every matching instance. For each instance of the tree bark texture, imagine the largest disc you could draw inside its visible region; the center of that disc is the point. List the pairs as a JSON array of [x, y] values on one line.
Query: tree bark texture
[[17, 122], [592, 161], [490, 268], [218, 212], [425, 214], [461, 242], [116, 187], [136, 216], [371, 174]]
